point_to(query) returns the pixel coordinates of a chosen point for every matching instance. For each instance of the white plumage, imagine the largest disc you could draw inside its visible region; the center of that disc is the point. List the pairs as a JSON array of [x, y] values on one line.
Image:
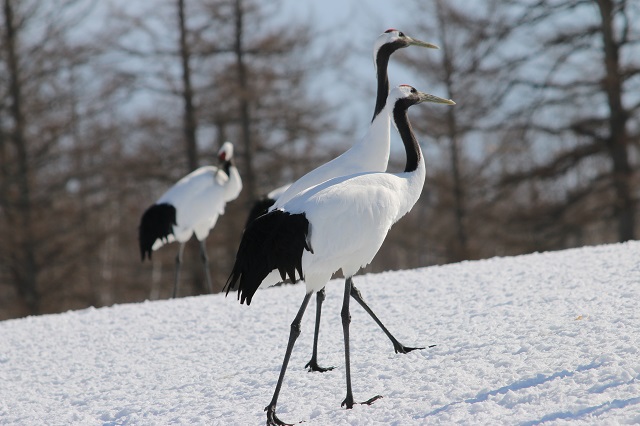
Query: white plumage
[[338, 224], [191, 207], [199, 198], [349, 218]]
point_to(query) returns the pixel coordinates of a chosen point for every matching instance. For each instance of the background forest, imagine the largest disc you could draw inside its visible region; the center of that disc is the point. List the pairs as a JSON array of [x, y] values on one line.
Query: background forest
[[104, 105]]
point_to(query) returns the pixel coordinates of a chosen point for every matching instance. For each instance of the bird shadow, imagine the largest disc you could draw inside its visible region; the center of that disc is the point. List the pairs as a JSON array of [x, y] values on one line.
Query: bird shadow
[[589, 411], [519, 385]]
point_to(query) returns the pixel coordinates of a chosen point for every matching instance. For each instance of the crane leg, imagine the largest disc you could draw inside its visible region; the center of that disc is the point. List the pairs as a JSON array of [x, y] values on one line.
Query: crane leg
[[272, 419], [346, 320], [312, 365], [397, 346], [205, 262], [176, 283]]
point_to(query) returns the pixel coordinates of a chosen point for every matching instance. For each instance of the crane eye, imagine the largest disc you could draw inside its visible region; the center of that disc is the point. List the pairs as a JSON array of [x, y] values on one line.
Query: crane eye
[[413, 90], [401, 34]]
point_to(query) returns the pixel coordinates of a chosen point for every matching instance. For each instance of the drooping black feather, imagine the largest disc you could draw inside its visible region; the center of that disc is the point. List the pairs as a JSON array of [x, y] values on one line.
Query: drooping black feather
[[156, 223], [275, 240], [259, 208]]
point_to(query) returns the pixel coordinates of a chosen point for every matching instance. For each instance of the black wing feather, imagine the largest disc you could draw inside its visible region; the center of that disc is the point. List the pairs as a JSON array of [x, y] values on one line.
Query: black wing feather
[[156, 223], [275, 240]]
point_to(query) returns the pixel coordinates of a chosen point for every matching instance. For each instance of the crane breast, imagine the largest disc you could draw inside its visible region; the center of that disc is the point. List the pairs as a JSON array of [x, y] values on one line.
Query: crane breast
[[349, 219], [199, 200]]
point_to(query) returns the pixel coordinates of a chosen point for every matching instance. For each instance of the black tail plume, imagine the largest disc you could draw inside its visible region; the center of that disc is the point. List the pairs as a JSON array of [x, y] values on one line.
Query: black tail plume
[[275, 240], [156, 223]]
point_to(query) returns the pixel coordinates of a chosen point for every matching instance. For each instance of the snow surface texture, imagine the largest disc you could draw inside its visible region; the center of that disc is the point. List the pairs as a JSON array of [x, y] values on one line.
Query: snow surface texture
[[549, 338]]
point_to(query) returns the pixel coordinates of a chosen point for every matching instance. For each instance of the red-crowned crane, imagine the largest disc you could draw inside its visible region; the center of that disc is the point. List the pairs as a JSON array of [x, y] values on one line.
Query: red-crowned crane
[[370, 154], [338, 224], [191, 207]]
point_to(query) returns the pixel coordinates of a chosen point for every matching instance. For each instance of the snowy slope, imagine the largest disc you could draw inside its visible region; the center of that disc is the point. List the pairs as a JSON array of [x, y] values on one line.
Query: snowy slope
[[549, 338]]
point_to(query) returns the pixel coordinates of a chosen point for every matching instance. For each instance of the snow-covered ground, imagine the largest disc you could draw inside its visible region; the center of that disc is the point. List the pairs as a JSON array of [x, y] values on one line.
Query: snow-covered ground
[[548, 338]]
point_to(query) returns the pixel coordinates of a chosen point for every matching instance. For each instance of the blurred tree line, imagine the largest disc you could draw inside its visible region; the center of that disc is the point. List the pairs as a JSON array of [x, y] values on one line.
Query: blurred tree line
[[98, 119], [542, 150]]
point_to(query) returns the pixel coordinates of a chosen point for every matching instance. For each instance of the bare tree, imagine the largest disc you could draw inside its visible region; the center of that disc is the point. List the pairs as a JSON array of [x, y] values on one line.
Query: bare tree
[[539, 152], [451, 220], [190, 125], [582, 101], [46, 157], [244, 91], [20, 215]]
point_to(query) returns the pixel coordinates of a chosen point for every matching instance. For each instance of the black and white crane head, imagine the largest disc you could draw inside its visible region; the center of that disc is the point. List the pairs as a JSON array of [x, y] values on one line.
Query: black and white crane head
[[191, 207], [225, 154], [385, 45], [339, 224], [393, 40]]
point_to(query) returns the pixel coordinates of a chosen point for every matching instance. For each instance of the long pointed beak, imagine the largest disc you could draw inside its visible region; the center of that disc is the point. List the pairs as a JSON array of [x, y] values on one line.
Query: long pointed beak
[[426, 97], [415, 42]]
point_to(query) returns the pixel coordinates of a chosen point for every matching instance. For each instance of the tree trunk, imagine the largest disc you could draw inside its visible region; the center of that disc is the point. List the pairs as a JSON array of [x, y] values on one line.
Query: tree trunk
[[617, 141], [191, 144], [460, 251], [190, 125], [248, 177], [26, 270]]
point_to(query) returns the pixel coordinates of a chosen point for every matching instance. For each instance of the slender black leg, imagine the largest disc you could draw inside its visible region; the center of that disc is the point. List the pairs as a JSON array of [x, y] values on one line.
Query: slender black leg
[[176, 284], [346, 320], [272, 419], [312, 365], [399, 347], [205, 262]]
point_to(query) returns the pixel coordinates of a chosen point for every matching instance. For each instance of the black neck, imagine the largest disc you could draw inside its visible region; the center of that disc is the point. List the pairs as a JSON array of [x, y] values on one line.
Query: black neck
[[226, 166], [411, 146], [382, 63]]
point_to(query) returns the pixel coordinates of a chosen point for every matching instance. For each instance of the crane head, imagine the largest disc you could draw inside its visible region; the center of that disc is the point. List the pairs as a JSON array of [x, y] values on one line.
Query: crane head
[[413, 96], [395, 39], [226, 152]]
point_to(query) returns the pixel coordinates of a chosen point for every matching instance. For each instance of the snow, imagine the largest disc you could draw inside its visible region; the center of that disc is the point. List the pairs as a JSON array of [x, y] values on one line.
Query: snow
[[546, 338]]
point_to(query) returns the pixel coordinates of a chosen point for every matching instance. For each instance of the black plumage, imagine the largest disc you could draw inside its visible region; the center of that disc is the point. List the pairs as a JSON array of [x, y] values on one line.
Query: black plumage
[[156, 223], [275, 240]]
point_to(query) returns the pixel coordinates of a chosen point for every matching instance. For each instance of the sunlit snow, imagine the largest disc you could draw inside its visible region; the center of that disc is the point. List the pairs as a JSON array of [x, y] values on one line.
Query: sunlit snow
[[539, 339]]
